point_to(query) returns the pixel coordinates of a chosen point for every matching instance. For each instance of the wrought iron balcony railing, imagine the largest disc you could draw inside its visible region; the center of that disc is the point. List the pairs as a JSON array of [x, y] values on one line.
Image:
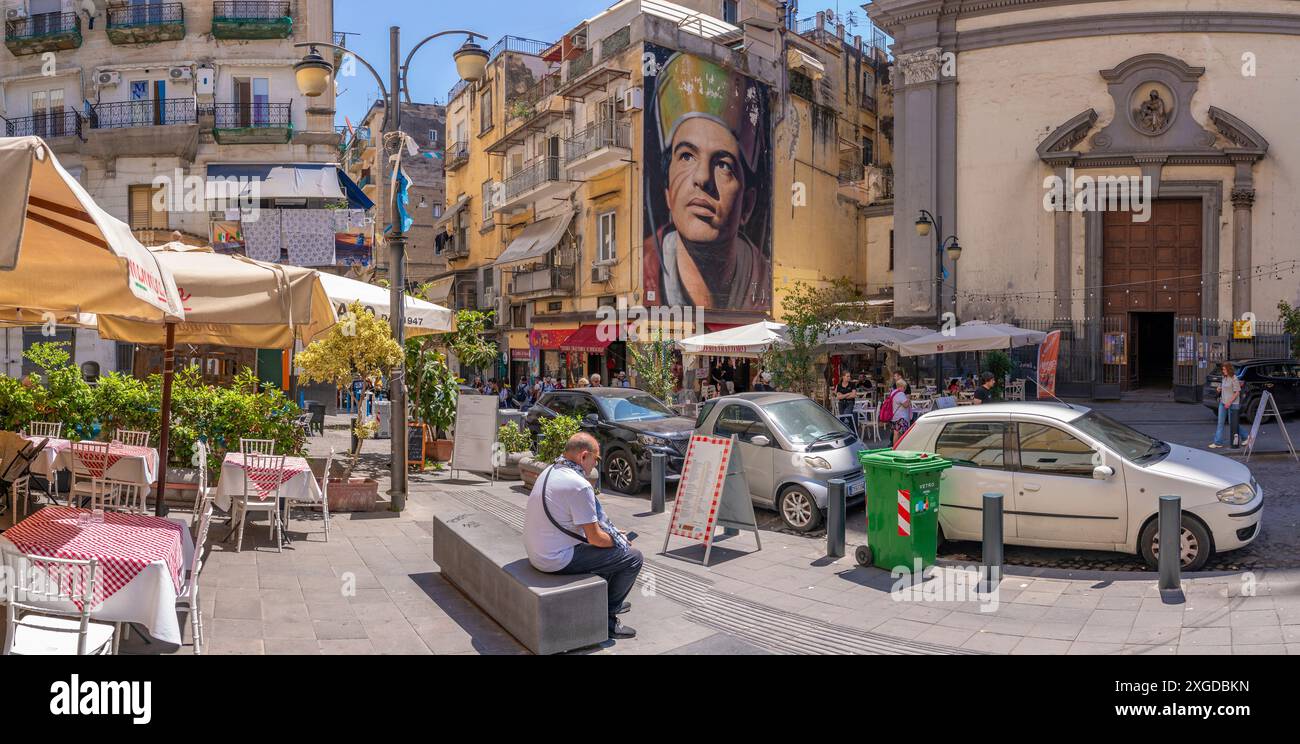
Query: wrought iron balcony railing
[[598, 136], [252, 115], [42, 24], [545, 170], [250, 10], [457, 154], [130, 114], [66, 123], [152, 14]]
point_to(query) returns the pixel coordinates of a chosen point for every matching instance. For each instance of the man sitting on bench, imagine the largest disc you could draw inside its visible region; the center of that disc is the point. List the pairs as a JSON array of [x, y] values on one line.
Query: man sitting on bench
[[566, 531]]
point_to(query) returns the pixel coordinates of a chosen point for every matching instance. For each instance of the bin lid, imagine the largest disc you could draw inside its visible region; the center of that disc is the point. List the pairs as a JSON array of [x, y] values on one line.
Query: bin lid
[[905, 460]]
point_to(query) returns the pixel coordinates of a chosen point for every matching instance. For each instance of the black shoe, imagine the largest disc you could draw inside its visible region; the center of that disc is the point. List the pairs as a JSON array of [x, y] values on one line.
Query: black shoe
[[619, 630], [623, 608]]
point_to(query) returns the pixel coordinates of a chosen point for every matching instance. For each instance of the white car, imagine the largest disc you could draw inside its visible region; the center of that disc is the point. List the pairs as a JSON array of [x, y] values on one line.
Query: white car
[[1073, 478]]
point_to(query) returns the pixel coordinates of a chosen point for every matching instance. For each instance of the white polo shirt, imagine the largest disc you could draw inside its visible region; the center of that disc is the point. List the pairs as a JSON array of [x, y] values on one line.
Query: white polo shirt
[[572, 502]]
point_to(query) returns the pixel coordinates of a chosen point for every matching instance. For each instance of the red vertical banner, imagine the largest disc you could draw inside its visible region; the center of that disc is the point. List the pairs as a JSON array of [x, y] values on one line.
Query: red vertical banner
[[1048, 353]]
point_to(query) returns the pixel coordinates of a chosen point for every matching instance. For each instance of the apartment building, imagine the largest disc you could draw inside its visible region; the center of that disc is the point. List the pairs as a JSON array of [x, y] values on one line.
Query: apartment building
[[426, 123], [561, 187], [127, 93]]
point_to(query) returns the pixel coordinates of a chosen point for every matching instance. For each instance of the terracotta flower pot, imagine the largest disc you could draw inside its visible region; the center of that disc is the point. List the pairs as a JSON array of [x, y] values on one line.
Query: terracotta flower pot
[[442, 450], [355, 495]]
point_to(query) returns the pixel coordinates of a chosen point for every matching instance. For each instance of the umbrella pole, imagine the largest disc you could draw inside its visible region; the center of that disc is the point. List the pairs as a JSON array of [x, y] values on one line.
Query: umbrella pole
[[165, 416]]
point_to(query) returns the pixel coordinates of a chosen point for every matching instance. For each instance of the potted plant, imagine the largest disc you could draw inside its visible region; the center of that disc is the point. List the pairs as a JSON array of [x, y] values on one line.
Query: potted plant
[[359, 347], [433, 390], [550, 445], [514, 444]]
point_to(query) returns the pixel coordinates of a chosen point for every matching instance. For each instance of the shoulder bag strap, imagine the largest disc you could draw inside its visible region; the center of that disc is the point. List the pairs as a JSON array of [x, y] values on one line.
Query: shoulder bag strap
[[547, 509]]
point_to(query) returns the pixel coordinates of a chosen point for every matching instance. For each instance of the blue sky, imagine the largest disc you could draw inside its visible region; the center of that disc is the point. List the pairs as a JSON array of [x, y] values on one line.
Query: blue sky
[[432, 71]]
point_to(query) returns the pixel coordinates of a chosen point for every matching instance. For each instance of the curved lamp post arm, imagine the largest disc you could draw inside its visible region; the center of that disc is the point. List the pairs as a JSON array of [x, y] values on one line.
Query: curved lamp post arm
[[378, 79], [406, 65]]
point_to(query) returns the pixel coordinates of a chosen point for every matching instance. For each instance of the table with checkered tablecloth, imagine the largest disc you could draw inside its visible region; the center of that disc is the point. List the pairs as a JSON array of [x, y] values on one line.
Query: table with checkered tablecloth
[[126, 462], [298, 483], [142, 562]]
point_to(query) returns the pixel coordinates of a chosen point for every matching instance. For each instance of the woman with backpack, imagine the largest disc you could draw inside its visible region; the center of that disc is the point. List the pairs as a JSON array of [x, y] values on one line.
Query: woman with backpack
[[897, 410]]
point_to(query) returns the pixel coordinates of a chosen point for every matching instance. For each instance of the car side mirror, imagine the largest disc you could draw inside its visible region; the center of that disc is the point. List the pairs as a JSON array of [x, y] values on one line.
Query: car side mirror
[[1102, 472], [760, 441], [590, 419]]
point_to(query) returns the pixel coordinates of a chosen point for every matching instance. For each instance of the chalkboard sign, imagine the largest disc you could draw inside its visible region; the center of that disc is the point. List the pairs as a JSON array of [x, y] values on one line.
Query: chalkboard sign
[[415, 444]]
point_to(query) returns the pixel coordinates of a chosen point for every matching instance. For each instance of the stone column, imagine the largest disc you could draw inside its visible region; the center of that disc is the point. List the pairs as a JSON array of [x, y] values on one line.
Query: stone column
[[1062, 261], [1243, 199], [916, 163]]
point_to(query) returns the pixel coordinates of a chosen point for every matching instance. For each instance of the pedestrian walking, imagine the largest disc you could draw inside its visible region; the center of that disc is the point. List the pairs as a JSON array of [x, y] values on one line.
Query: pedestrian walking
[[1229, 407]]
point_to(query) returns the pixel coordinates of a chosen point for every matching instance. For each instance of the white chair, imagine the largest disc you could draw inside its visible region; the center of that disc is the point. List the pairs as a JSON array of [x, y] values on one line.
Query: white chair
[[89, 461], [187, 602], [868, 414], [256, 446], [43, 429], [132, 438], [921, 405], [1016, 390], [34, 628], [204, 491], [324, 503], [263, 476], [117, 496], [19, 496]]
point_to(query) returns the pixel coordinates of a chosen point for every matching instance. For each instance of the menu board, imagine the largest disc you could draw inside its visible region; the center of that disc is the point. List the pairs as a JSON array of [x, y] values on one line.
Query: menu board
[[475, 433], [415, 454], [712, 493]]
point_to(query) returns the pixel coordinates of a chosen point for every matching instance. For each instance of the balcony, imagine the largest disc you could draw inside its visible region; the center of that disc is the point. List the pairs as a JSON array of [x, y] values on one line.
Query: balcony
[[146, 24], [539, 181], [61, 130], [251, 19], [598, 147], [531, 112], [867, 185], [134, 114], [457, 155], [143, 128], [548, 281], [43, 32], [252, 123]]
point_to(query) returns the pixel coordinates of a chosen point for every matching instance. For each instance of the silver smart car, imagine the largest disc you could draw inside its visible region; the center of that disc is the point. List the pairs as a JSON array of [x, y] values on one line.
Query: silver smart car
[[789, 447]]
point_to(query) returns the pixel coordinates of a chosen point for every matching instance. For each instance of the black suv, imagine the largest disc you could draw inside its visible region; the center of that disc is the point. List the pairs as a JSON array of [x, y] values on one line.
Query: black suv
[[1281, 377], [629, 424]]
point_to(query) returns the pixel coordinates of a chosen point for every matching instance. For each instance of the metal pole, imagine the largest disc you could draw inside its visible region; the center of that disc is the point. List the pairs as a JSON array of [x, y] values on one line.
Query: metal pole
[[658, 481], [1171, 530], [991, 557], [835, 509], [397, 287], [165, 420]]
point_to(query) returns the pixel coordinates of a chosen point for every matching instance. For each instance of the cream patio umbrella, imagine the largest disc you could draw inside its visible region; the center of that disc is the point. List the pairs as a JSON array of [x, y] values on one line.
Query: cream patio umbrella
[[61, 253], [229, 301], [422, 318]]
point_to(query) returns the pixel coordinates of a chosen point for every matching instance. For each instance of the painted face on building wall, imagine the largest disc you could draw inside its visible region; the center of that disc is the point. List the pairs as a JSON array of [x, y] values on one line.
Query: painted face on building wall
[[707, 195]]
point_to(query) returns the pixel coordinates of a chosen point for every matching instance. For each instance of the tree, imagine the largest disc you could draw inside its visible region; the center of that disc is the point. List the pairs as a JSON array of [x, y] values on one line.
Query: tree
[[467, 341], [1290, 317], [359, 347], [809, 313], [653, 364], [433, 389]]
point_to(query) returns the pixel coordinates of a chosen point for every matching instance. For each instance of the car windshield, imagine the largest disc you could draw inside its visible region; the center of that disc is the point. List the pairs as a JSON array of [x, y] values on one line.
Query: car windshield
[[1127, 441], [803, 421], [634, 408]]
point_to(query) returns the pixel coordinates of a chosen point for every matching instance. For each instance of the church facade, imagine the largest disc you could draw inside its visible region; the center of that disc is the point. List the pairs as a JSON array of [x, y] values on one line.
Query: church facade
[[1124, 170]]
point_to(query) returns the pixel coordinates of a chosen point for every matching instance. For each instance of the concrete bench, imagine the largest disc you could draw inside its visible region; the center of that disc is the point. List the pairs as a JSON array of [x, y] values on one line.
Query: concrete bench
[[547, 613]]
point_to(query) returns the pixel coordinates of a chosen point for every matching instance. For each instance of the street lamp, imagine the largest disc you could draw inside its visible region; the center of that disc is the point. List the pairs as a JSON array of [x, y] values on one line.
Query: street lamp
[[313, 75], [924, 223]]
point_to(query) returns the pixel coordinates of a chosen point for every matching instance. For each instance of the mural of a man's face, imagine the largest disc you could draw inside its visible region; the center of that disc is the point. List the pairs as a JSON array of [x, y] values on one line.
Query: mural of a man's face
[[706, 194]]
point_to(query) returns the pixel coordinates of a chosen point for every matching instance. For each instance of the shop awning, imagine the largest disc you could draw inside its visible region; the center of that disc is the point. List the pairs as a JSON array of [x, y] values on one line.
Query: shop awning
[[293, 181], [592, 339], [536, 240], [440, 290], [451, 213]]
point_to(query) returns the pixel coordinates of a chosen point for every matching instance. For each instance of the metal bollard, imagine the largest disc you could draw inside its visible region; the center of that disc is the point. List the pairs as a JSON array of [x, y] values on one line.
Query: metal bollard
[[658, 481], [835, 509], [991, 555], [1170, 531]]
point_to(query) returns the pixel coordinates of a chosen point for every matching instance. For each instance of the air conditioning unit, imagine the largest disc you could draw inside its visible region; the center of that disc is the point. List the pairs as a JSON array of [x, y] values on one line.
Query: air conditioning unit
[[578, 41], [180, 74], [600, 274], [15, 14], [108, 78], [503, 311], [633, 99]]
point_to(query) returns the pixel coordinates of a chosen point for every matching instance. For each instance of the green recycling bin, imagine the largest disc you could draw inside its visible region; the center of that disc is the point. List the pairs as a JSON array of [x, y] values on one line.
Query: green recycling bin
[[902, 509]]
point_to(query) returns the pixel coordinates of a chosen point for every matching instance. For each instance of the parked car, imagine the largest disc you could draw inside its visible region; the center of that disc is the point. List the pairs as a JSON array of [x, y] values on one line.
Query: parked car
[[1281, 377], [1073, 478], [629, 424], [789, 447]]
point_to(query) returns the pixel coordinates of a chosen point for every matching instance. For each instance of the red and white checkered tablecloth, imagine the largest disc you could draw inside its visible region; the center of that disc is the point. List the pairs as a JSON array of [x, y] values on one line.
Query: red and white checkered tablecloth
[[297, 482], [266, 479], [124, 544], [125, 462]]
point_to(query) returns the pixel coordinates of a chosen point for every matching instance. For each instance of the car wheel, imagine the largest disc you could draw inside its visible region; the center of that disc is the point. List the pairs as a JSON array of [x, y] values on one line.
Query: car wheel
[[799, 510], [620, 472], [1195, 545], [1248, 413], [862, 554]]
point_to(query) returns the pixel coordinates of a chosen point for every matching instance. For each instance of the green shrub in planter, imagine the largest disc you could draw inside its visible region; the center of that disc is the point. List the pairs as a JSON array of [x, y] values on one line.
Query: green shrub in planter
[[17, 405], [555, 434], [514, 438]]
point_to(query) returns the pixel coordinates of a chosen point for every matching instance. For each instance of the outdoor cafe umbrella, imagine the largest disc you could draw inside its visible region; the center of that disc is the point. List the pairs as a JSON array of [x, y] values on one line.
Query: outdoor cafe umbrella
[[751, 340], [61, 253], [422, 318], [229, 301], [974, 335]]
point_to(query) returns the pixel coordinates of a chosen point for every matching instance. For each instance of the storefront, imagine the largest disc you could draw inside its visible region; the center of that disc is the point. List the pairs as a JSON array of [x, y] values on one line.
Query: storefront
[[545, 344], [594, 350]]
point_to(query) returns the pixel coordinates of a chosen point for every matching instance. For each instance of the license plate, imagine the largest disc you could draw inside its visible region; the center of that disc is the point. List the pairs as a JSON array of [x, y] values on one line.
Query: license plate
[[857, 488]]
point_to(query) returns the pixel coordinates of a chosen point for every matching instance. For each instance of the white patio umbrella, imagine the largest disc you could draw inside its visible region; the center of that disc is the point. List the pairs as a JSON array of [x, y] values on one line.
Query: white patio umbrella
[[422, 318], [750, 341], [971, 336], [870, 338]]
